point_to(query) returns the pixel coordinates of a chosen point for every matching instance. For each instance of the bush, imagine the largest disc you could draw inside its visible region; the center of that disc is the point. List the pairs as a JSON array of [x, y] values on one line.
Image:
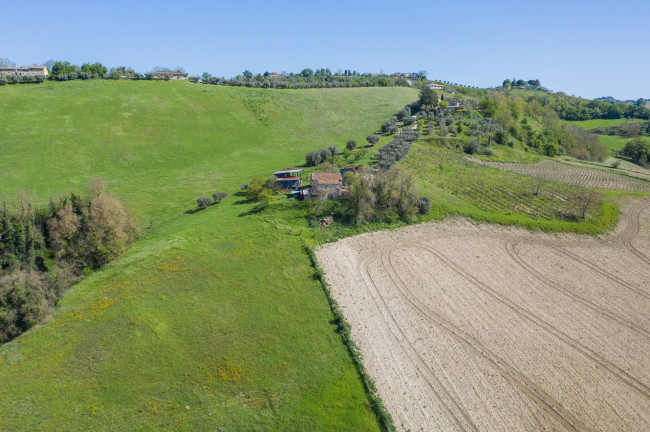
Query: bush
[[351, 145], [218, 196], [500, 137], [3, 81], [203, 202], [424, 205]]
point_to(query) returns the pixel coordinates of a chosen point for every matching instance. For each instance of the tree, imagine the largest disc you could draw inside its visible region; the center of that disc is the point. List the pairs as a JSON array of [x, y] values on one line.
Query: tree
[[110, 228], [94, 69], [218, 196], [6, 62], [64, 233], [487, 108], [247, 74], [63, 68], [351, 145], [372, 139], [307, 72], [405, 112], [332, 150], [203, 202], [428, 98], [637, 149], [424, 205]]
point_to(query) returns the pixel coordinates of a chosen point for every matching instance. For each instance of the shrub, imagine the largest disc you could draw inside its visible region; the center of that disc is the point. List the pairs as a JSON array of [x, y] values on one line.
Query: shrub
[[500, 137], [424, 205], [351, 145], [203, 202], [218, 196], [243, 186], [3, 81]]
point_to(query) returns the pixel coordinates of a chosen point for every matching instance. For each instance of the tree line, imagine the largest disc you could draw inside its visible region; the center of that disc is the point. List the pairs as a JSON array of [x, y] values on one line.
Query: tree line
[[45, 250]]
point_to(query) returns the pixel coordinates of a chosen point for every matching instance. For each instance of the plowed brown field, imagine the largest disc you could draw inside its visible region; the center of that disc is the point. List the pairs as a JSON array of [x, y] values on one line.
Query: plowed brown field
[[488, 328]]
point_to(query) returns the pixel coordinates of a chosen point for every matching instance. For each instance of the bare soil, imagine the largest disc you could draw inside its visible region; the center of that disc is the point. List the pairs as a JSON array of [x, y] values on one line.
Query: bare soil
[[480, 327]]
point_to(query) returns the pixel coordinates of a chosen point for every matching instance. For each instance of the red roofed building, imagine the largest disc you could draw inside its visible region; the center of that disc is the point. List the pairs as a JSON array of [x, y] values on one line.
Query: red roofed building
[[327, 184]]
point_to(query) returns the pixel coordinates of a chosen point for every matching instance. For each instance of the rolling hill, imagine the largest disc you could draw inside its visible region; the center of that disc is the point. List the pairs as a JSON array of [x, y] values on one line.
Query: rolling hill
[[212, 320]]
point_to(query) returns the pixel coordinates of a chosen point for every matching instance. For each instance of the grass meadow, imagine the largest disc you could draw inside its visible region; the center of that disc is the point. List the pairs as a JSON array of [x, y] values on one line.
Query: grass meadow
[[612, 143], [212, 320]]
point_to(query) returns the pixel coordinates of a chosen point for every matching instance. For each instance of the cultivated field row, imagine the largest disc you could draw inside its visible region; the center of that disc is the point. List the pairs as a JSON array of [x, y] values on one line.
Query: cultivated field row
[[496, 189], [573, 174], [479, 327]]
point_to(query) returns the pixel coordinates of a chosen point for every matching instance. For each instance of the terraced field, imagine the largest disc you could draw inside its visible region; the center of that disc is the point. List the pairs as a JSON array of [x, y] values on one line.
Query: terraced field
[[482, 327], [495, 189], [574, 174]]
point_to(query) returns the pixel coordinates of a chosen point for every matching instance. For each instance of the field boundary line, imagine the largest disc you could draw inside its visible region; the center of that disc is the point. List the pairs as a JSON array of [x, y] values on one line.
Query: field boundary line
[[384, 418]]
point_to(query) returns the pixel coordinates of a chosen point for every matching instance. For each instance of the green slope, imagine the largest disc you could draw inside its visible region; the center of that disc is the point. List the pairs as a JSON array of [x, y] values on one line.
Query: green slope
[[212, 320]]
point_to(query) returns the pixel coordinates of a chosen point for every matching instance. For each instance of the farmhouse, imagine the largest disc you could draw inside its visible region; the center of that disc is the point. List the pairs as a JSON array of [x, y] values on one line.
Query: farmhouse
[[434, 86], [24, 70], [327, 185], [171, 75], [275, 75]]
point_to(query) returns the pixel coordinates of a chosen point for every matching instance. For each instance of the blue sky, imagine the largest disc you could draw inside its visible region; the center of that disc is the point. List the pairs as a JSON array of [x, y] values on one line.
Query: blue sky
[[587, 48]]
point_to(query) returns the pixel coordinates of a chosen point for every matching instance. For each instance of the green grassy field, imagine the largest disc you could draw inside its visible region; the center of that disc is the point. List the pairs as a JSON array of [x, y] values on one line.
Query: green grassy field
[[613, 143], [591, 124], [212, 320]]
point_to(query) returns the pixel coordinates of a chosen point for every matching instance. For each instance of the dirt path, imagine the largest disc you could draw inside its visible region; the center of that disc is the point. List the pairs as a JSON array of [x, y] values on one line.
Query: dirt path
[[480, 327]]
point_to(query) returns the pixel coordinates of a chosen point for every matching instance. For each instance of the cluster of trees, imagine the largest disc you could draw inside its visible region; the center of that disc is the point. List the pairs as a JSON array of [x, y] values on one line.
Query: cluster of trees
[[574, 108], [308, 78], [260, 190], [397, 148], [317, 157], [43, 251], [509, 83], [205, 202], [385, 196], [638, 150], [629, 129]]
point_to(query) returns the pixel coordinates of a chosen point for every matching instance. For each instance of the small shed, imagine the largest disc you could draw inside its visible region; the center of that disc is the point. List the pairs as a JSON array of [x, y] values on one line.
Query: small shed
[[288, 182], [288, 172]]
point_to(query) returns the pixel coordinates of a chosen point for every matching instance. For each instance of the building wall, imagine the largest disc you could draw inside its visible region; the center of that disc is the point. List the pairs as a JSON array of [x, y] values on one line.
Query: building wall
[[23, 71]]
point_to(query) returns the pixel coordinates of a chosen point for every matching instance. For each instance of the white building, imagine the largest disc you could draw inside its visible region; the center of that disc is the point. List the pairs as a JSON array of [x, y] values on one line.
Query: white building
[[23, 70]]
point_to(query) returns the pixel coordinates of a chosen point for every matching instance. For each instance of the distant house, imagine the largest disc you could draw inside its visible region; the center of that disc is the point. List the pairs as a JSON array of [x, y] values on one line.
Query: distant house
[[327, 185], [434, 86], [171, 75], [24, 70], [289, 178], [275, 75], [397, 74]]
